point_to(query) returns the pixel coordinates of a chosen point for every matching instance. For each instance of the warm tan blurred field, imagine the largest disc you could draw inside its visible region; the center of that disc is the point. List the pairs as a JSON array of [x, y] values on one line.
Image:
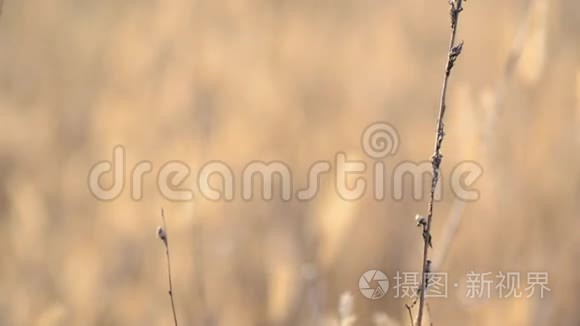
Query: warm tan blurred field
[[295, 81]]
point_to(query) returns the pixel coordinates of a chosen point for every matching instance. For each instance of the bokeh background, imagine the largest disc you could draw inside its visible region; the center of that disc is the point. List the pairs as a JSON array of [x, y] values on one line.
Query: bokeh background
[[295, 81]]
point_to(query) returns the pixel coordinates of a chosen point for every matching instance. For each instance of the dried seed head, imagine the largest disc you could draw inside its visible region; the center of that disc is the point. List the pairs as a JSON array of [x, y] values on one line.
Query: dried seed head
[[161, 233], [421, 220]]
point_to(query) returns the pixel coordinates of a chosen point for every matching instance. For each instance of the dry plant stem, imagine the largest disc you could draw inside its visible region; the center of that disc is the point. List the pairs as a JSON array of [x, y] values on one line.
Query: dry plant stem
[[454, 51], [166, 242], [409, 307], [501, 91], [429, 312]]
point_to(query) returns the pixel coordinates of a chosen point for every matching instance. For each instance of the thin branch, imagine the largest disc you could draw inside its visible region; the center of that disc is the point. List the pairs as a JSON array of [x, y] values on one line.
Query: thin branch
[[429, 313], [409, 307], [501, 92], [162, 234], [453, 54]]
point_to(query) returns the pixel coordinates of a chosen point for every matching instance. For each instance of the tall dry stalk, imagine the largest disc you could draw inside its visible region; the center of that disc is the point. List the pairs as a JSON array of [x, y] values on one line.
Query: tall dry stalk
[[500, 95], [162, 234], [453, 54]]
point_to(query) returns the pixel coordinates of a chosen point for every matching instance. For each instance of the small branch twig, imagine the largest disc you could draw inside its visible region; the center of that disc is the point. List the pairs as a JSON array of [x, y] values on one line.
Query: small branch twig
[[409, 307], [453, 54], [162, 234], [429, 312], [500, 95]]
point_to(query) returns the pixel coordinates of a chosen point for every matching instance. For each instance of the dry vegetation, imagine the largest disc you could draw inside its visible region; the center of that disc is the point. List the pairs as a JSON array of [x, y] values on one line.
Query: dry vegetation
[[279, 80]]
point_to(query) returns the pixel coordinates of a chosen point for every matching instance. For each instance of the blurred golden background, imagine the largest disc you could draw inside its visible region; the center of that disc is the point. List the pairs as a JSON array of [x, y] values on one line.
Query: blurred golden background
[[295, 81]]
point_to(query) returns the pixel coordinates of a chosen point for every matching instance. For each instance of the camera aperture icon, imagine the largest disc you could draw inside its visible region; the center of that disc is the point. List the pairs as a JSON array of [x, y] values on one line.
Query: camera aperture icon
[[373, 284]]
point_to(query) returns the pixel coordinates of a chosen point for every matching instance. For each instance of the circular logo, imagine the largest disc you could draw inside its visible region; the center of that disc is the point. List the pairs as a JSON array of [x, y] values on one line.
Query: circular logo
[[375, 277], [380, 140]]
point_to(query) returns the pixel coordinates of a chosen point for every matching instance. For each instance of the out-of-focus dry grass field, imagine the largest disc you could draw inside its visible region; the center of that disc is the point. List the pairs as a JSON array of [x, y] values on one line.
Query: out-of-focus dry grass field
[[295, 81]]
